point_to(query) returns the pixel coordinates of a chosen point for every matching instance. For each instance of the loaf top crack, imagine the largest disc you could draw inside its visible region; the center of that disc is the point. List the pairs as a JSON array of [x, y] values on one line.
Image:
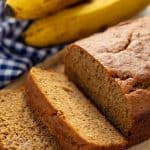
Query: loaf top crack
[[113, 68], [125, 51]]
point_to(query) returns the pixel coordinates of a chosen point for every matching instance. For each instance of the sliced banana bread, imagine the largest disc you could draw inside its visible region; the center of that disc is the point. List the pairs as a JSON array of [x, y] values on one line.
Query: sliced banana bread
[[19, 129], [113, 68], [77, 123]]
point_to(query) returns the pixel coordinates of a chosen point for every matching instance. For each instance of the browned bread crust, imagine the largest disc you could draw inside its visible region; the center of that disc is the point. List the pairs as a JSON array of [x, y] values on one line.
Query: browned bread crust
[[117, 61], [46, 101]]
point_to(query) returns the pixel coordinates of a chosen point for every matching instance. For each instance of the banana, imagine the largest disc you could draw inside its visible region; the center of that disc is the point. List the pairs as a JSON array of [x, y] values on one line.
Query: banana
[[80, 21], [32, 9]]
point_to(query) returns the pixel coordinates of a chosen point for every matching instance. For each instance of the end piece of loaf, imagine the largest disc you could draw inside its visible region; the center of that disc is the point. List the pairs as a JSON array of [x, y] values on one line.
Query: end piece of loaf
[[19, 129], [75, 120], [113, 68]]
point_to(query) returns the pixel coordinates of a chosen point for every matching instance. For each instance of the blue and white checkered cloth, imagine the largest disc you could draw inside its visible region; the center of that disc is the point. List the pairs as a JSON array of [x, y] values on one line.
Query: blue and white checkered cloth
[[16, 57]]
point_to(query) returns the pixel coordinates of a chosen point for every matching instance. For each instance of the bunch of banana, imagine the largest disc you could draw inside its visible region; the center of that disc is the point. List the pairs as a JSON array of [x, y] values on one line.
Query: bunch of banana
[[32, 9], [80, 21]]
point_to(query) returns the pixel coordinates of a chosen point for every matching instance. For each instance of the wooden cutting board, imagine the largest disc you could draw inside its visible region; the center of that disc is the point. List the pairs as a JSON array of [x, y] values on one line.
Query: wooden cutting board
[[56, 63]]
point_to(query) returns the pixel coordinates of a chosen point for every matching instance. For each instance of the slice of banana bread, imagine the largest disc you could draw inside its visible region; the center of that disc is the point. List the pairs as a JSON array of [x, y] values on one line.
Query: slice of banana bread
[[113, 68], [77, 123], [19, 129]]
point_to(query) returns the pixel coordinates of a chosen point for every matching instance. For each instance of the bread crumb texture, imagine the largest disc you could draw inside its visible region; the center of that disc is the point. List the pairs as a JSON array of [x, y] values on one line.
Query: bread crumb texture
[[19, 129], [113, 69], [78, 112]]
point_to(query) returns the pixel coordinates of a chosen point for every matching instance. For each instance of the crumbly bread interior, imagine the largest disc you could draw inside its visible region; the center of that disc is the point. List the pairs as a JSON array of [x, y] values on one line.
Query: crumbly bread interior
[[78, 112], [19, 129], [113, 69], [87, 73]]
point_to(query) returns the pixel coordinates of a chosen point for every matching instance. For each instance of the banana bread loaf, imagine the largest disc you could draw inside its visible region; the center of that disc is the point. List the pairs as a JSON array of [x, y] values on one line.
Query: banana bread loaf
[[113, 68], [77, 123], [19, 129]]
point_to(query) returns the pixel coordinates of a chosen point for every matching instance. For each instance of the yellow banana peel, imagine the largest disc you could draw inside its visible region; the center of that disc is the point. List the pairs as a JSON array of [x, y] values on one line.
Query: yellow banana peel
[[81, 21], [32, 9]]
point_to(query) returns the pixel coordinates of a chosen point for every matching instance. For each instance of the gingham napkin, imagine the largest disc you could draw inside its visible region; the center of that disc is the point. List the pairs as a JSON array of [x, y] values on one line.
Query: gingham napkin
[[16, 57]]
